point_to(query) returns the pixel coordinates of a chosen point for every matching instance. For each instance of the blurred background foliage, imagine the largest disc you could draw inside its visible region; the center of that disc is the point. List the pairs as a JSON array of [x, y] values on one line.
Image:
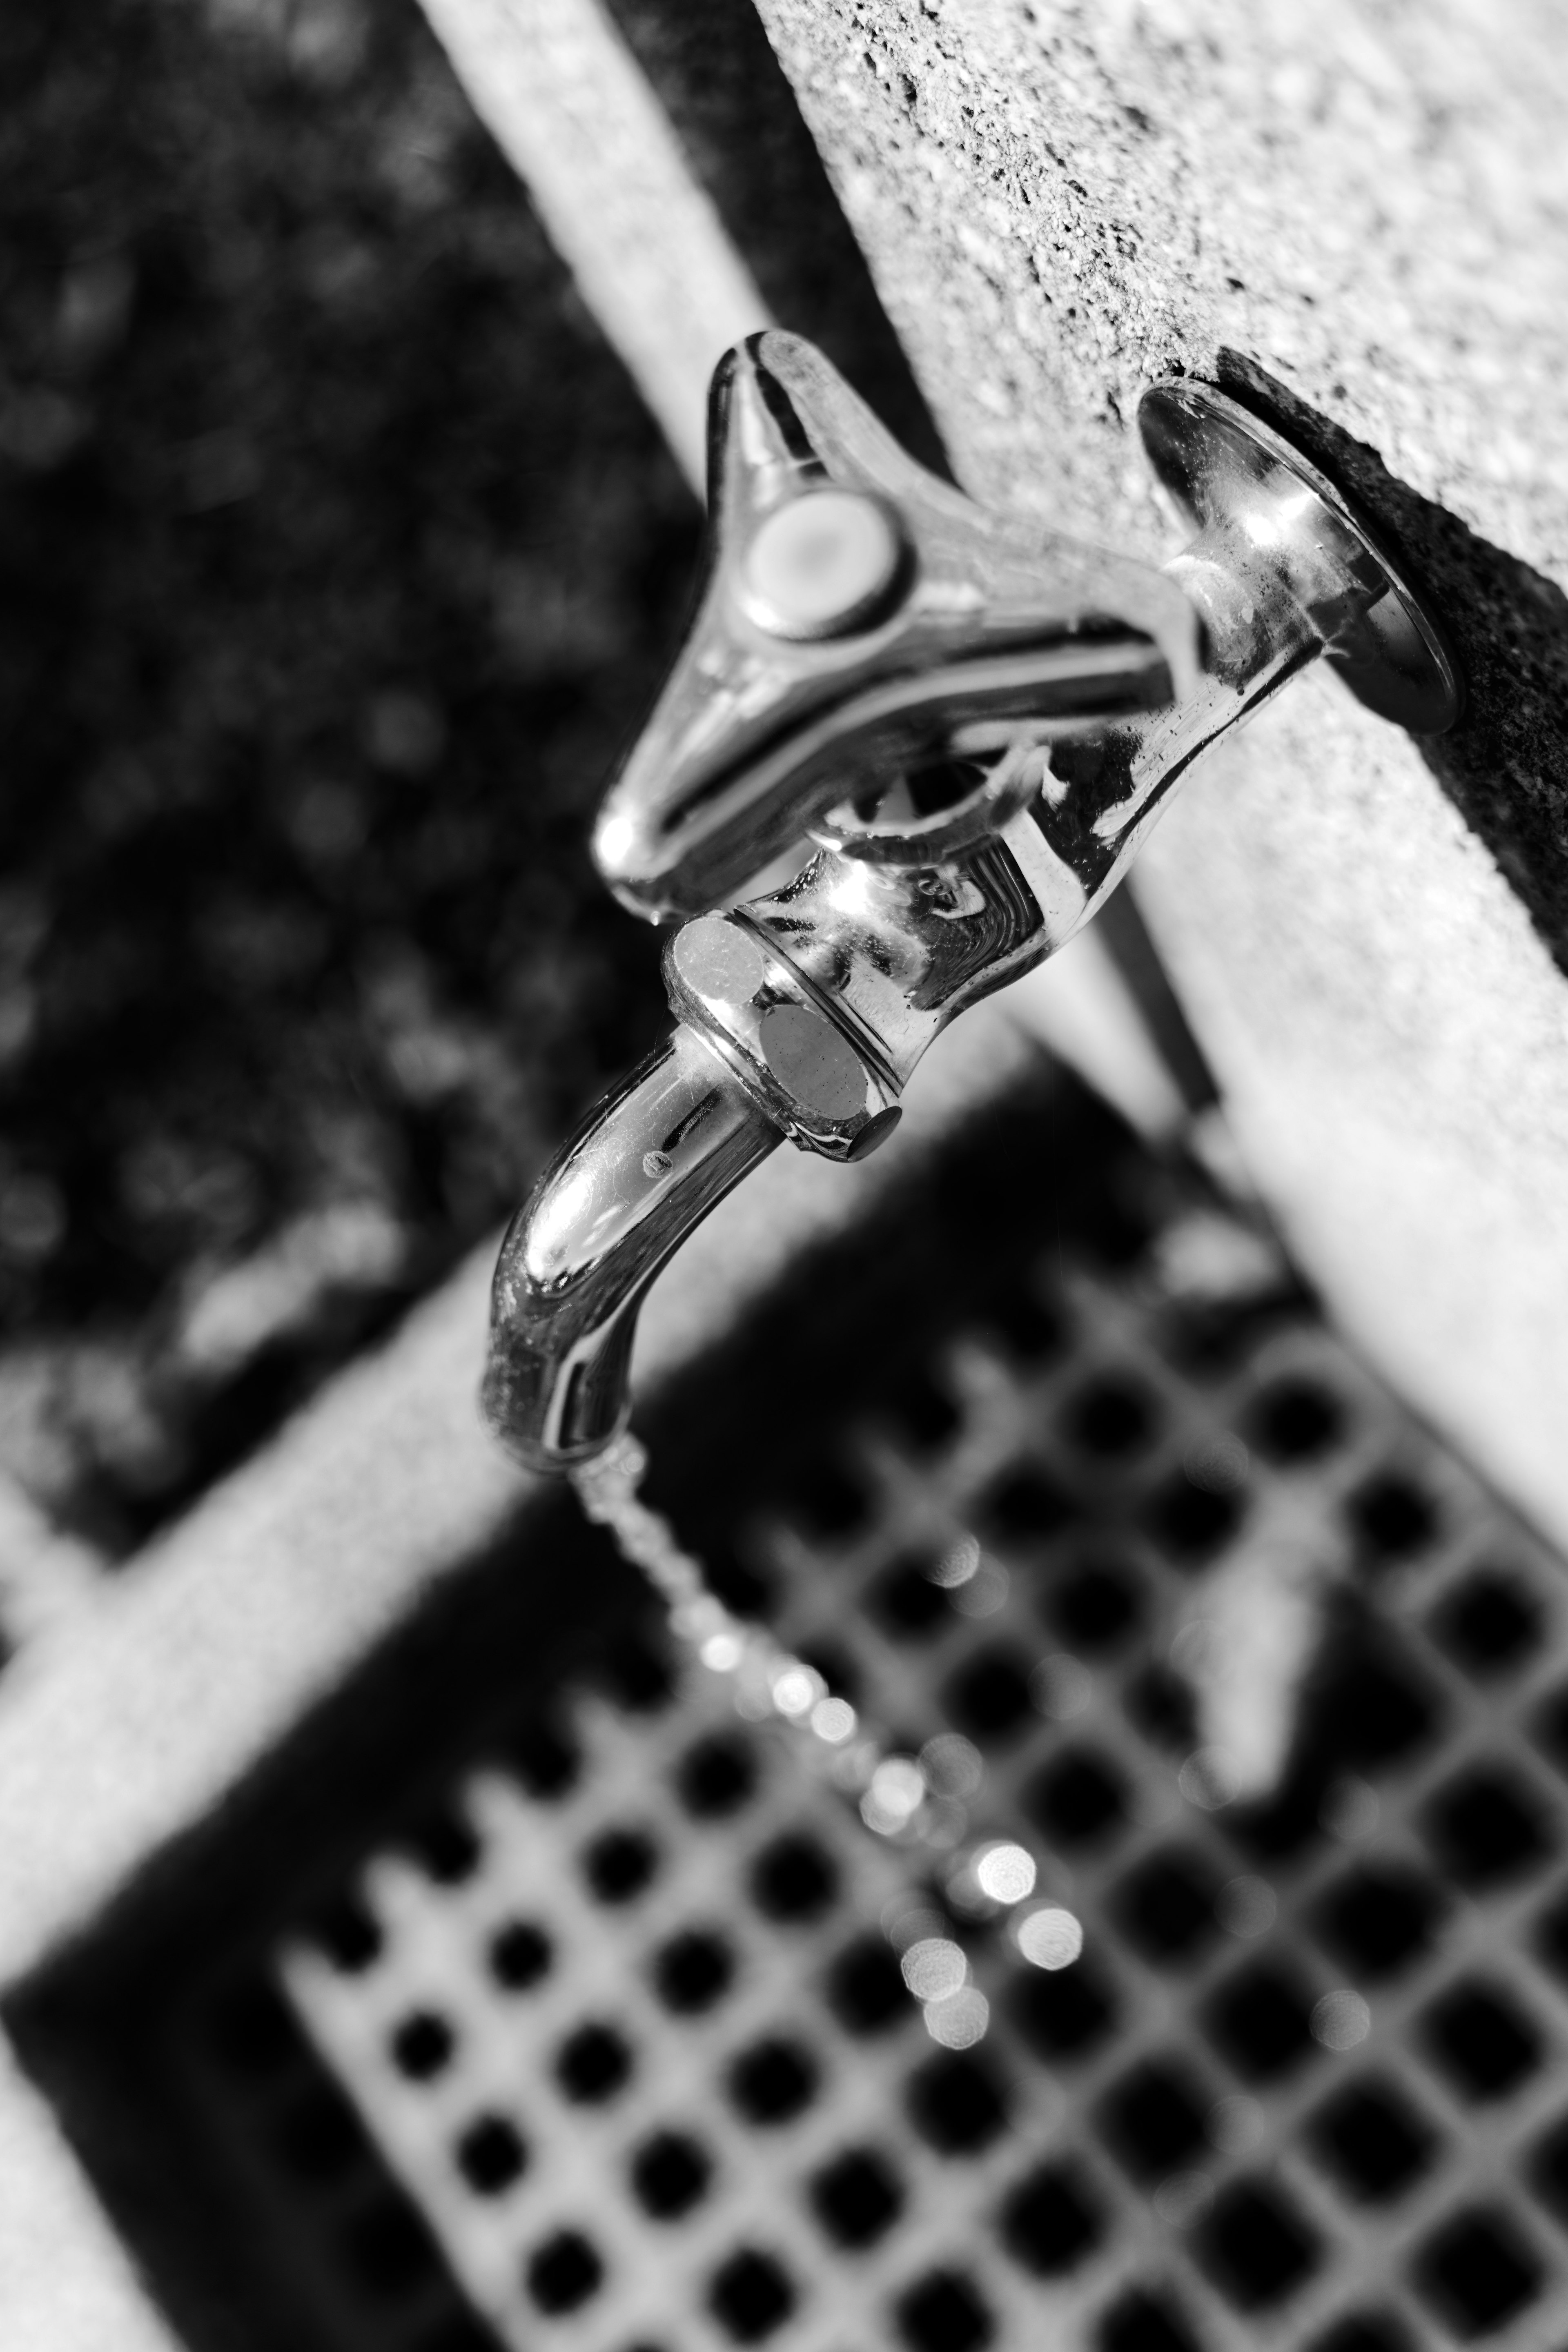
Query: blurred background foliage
[[337, 560]]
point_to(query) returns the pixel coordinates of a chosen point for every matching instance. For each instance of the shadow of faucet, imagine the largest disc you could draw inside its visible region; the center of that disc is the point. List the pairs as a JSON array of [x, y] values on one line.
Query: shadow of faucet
[[1504, 764]]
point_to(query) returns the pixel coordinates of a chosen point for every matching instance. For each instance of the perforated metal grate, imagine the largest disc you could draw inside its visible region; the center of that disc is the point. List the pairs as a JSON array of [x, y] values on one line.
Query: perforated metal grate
[[635, 2043]]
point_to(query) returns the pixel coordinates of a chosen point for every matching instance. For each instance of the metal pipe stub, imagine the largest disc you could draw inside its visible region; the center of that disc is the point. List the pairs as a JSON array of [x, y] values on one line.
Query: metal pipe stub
[[1241, 485]]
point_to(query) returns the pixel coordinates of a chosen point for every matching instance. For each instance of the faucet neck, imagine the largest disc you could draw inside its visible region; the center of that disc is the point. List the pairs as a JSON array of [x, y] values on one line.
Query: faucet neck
[[645, 1168]]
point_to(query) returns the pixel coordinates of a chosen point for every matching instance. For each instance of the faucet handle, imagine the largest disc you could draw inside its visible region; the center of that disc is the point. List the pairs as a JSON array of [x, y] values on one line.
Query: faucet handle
[[858, 616]]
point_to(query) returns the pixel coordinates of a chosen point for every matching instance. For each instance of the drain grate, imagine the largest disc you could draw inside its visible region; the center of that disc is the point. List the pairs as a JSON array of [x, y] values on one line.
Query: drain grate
[[628, 2031]]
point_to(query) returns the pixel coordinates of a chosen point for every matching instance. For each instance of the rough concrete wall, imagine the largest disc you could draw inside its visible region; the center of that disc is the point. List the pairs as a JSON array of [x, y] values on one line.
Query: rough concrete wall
[[1354, 217]]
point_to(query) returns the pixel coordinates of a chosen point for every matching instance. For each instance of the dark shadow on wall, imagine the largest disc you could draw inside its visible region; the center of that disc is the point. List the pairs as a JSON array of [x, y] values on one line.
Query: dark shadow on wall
[[1505, 765], [738, 123]]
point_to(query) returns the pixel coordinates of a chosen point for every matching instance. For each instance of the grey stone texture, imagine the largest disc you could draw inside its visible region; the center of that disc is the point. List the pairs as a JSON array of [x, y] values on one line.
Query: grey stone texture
[[1352, 217]]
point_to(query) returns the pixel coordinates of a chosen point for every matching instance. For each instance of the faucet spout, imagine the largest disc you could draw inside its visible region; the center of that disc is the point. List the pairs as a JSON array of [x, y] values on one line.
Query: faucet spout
[[649, 1163]]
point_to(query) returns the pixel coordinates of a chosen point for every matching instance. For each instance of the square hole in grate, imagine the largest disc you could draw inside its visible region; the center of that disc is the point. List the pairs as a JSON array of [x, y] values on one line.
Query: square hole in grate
[[1165, 1907], [1096, 1606], [619, 1863], [1152, 2119], [717, 1776], [1256, 2246], [1110, 1417], [1145, 2322], [751, 2295], [1374, 1708], [593, 2064], [489, 2154], [988, 1697], [1023, 1507], [793, 1878], [1283, 1827], [772, 2081], [1489, 1624], [1162, 1707], [1371, 2140], [1052, 2221], [670, 2173], [856, 2197], [866, 1988], [1190, 1524], [1078, 1799], [1477, 2271], [1364, 2331], [906, 1600], [545, 1758], [1380, 1919], [1479, 2036], [1294, 1419], [1260, 2020], [944, 2311], [1384, 1711], [1486, 1825], [1063, 2015], [957, 2103], [693, 1970], [388, 2249], [565, 2273], [1391, 1518], [519, 1956], [919, 1407], [421, 2045], [343, 1928], [443, 1844], [636, 1671]]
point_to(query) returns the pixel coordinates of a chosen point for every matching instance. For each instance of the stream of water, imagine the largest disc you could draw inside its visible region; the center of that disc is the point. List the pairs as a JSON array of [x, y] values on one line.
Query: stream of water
[[921, 1802]]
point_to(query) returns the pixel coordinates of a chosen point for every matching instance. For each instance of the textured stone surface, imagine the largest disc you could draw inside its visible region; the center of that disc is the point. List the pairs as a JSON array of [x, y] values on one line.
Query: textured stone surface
[[1354, 218]]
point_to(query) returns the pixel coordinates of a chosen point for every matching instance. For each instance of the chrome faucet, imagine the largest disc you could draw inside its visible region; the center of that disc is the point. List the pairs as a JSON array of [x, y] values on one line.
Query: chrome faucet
[[977, 722]]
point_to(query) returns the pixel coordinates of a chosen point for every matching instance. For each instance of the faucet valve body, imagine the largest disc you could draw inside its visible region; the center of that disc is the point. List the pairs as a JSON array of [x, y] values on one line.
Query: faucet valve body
[[792, 1055], [977, 721]]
